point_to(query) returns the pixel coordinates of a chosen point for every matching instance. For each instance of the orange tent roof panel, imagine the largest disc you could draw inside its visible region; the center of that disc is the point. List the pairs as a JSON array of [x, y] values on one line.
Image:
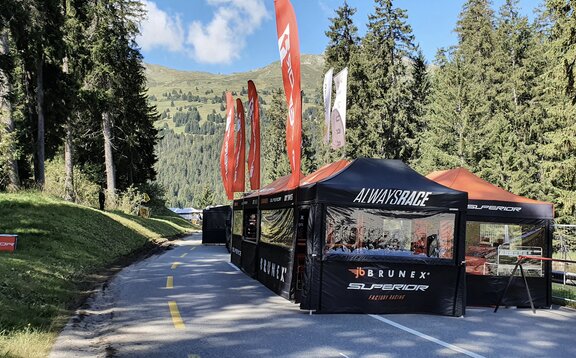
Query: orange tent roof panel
[[326, 171], [477, 188]]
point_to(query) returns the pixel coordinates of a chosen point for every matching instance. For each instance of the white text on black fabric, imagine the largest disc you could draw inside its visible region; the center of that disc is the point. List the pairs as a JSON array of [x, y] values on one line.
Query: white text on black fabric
[[273, 269], [392, 197]]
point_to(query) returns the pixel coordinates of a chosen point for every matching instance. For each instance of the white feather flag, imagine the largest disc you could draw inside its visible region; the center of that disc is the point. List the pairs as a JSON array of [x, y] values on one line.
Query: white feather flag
[[338, 116], [327, 90]]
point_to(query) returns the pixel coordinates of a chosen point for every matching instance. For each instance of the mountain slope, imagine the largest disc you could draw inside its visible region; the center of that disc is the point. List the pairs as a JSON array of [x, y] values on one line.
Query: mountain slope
[[192, 109]]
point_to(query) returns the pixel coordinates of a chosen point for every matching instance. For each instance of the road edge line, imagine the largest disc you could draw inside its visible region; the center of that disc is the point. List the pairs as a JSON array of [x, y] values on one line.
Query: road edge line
[[427, 337]]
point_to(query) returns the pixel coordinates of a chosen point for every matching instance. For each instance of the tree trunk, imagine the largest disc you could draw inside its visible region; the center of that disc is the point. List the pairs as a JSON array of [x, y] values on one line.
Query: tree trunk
[[69, 164], [69, 194], [6, 119], [108, 155], [40, 156]]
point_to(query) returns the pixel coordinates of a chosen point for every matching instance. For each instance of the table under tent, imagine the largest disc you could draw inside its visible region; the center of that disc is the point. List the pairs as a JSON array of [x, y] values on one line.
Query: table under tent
[[500, 226], [369, 236]]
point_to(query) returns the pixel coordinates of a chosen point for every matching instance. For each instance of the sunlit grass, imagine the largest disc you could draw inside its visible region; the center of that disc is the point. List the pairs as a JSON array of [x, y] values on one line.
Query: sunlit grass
[[60, 248], [32, 343]]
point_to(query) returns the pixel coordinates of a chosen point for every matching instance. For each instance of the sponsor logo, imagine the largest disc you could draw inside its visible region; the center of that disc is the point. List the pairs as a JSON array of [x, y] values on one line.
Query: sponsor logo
[[273, 269], [494, 208], [285, 56], [236, 251], [386, 286], [275, 200], [284, 46], [392, 197], [226, 146], [288, 197], [6, 244], [358, 272], [362, 272]]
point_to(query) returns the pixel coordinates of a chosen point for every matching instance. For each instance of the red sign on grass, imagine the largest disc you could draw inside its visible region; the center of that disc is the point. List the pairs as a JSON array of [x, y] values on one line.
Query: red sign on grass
[[8, 242]]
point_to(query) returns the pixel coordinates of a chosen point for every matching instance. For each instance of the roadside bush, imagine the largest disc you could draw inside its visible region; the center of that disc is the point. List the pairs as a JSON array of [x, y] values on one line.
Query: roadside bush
[[85, 191], [129, 201]]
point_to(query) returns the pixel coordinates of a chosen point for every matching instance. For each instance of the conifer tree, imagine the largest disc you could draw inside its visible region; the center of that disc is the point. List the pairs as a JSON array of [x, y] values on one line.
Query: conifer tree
[[462, 102], [343, 39], [388, 42], [8, 140], [559, 165], [273, 141], [343, 43], [419, 99], [514, 128]]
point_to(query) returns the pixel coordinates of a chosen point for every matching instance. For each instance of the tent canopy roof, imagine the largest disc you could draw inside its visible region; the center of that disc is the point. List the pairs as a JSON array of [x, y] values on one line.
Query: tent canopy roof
[[477, 188], [377, 182], [492, 196]]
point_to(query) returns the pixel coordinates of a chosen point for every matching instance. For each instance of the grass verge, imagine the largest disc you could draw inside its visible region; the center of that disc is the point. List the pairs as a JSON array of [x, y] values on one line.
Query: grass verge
[[63, 251], [564, 294]]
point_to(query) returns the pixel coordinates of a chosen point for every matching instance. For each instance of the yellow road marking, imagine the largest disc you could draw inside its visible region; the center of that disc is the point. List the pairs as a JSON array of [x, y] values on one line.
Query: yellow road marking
[[175, 264], [176, 318], [170, 282], [184, 254]]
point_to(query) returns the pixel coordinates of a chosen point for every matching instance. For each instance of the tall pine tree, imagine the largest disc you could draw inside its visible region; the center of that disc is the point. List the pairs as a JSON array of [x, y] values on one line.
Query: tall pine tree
[[387, 46]]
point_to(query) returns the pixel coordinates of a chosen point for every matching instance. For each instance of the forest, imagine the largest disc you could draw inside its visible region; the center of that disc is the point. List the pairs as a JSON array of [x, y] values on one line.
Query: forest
[[500, 102], [73, 99]]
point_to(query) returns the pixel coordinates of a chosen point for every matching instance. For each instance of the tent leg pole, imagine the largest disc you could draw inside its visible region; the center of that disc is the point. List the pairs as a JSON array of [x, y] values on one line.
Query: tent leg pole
[[527, 289], [507, 286]]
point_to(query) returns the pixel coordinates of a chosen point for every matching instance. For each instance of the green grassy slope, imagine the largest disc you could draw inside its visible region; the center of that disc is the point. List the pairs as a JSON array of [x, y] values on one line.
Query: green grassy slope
[[161, 80], [187, 165], [60, 245]]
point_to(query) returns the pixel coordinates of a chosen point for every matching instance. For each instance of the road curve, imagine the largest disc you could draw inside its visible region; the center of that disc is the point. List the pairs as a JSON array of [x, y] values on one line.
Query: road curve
[[190, 302]]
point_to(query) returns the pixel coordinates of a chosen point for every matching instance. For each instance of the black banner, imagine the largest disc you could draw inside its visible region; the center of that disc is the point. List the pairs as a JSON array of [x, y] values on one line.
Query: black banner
[[249, 257], [486, 290], [392, 288], [504, 209], [236, 251], [278, 200], [275, 268]]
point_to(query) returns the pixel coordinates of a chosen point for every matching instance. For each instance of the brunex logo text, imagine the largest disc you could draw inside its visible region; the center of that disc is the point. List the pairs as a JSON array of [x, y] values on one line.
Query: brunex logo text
[[364, 272], [273, 269]]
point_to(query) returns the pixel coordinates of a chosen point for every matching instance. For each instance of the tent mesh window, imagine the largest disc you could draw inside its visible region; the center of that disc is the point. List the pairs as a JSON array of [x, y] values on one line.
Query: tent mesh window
[[277, 227], [492, 249], [361, 231], [237, 226]]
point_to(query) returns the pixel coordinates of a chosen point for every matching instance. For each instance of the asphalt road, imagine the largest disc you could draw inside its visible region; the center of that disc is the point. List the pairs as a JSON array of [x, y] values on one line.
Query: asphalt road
[[190, 302]]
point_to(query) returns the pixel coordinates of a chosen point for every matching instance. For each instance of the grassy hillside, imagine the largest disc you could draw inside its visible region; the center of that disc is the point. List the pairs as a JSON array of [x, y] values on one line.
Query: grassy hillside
[[61, 246], [192, 112], [163, 80]]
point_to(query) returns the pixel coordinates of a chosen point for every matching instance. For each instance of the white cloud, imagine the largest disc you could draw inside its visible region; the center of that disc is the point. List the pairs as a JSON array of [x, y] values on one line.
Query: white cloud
[[224, 37], [160, 30]]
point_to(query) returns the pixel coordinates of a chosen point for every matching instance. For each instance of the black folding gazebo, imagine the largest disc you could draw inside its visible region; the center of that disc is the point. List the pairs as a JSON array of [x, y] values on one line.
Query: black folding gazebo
[[368, 236]]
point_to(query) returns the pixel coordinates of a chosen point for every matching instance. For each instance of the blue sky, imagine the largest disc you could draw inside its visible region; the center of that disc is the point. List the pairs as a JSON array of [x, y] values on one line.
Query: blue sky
[[226, 36]]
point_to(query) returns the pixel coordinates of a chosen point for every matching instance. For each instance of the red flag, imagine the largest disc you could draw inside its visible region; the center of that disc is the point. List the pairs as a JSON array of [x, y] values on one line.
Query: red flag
[[227, 152], [239, 150], [254, 154], [289, 48]]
